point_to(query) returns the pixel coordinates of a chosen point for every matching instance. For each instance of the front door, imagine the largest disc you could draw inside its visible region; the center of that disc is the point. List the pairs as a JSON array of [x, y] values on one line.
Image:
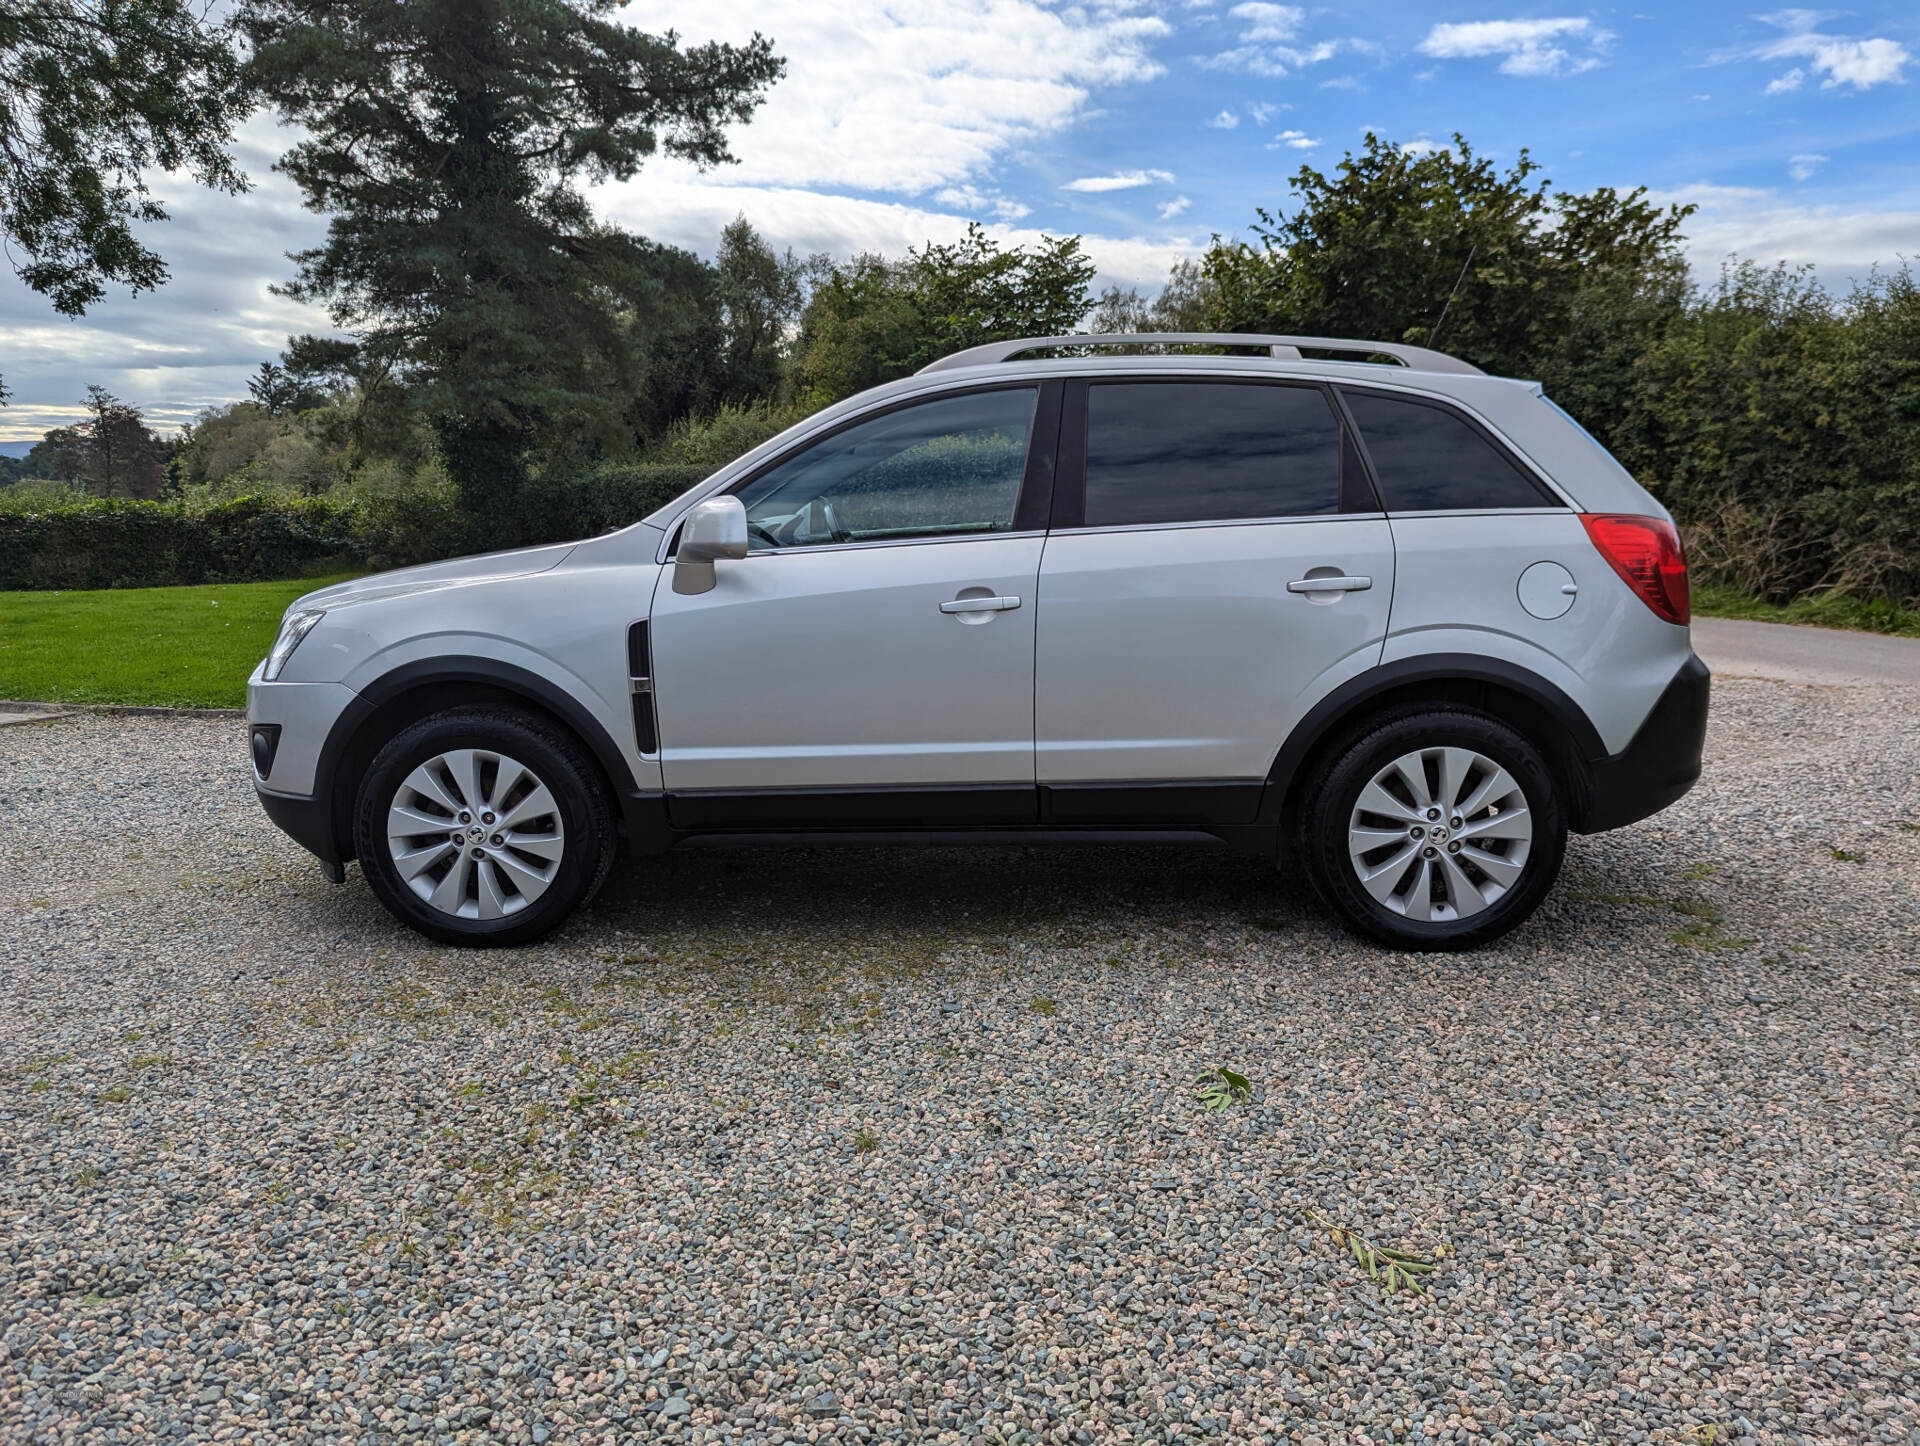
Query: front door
[[1221, 570], [870, 661]]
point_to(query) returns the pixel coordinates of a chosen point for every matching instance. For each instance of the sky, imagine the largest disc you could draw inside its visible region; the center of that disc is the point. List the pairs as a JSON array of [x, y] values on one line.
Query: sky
[[1146, 126]]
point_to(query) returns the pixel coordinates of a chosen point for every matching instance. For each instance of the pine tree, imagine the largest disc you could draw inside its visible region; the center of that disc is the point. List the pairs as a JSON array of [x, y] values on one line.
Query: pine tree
[[445, 139]]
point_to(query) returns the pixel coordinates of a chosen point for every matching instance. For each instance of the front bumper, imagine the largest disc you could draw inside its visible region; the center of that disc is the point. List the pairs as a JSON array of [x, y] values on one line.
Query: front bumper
[[309, 823], [294, 790], [1661, 762]]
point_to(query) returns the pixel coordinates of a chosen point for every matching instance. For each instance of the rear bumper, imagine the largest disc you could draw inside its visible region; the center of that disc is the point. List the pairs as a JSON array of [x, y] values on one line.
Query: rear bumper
[[1660, 764]]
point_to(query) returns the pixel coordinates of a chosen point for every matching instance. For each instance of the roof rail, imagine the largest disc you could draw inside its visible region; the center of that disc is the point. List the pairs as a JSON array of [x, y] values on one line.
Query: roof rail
[[1416, 358]]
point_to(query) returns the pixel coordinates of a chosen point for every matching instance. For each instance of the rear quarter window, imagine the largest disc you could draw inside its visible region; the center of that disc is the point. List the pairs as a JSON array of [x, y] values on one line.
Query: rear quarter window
[[1428, 458]]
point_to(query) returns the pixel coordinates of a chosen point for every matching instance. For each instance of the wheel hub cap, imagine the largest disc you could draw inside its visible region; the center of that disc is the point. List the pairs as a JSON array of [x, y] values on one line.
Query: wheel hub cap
[[1440, 834], [476, 834]]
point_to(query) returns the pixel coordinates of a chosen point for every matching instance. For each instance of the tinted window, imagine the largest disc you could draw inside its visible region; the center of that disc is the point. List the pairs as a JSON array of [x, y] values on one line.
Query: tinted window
[[949, 466], [1208, 452], [1426, 458]]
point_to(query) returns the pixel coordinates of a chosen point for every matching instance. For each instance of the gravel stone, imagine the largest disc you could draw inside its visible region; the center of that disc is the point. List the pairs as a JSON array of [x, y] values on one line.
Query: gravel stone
[[772, 1146]]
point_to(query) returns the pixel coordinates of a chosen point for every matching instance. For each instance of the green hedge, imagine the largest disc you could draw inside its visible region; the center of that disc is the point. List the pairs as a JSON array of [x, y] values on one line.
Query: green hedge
[[100, 544]]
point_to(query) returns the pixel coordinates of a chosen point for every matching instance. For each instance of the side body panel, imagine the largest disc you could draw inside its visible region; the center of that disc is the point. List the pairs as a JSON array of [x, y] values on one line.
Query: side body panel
[[567, 627], [1458, 591], [1174, 653]]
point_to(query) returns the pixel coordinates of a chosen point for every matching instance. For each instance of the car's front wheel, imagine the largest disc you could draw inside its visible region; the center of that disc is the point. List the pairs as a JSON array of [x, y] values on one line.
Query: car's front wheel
[[483, 826], [1438, 829]]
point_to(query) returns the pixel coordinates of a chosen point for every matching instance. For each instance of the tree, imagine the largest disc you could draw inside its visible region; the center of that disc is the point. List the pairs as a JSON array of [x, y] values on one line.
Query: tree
[[282, 393], [1439, 249], [873, 320], [94, 94], [1180, 306], [760, 294], [59, 456], [114, 452], [444, 138]]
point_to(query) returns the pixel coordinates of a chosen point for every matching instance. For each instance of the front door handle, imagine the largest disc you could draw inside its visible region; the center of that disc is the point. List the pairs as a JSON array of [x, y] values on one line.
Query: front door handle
[[1330, 584], [980, 605]]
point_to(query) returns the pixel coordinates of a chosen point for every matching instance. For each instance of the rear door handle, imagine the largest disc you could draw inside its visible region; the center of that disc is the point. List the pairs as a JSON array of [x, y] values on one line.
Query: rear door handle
[[1330, 584], [980, 605]]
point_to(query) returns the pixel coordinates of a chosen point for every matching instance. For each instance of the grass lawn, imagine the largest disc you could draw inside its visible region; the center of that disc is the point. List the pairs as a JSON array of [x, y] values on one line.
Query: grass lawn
[[1878, 616], [175, 647]]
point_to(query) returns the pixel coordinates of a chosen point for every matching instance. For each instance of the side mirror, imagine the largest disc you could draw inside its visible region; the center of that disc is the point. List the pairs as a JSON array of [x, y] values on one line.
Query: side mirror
[[715, 528]]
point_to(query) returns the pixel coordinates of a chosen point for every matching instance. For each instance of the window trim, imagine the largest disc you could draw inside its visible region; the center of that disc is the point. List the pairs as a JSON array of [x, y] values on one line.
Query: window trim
[[1032, 502], [1357, 496], [1552, 499]]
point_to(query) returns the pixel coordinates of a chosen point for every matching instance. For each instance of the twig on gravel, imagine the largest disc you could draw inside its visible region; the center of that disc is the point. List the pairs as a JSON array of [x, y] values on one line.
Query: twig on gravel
[[1396, 1269]]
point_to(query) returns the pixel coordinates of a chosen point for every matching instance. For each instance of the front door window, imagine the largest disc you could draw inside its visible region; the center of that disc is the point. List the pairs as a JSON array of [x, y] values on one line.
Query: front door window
[[950, 467]]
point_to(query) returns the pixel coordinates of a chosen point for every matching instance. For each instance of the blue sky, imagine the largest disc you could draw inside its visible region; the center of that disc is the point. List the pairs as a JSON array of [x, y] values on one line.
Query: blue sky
[[1145, 125]]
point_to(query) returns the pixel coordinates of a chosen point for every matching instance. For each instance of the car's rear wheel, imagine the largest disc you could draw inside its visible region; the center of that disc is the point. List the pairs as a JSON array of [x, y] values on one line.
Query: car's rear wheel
[[1438, 829], [483, 827]]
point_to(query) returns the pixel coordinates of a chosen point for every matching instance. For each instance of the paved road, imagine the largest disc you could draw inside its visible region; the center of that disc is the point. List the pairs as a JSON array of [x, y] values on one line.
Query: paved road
[[1736, 649]]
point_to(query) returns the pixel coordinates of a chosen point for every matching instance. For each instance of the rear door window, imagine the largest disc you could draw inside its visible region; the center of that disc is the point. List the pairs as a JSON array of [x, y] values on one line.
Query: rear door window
[[1429, 458], [1160, 452]]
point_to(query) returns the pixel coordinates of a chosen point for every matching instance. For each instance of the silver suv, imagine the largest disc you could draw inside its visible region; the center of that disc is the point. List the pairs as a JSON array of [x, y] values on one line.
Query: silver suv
[[1397, 621]]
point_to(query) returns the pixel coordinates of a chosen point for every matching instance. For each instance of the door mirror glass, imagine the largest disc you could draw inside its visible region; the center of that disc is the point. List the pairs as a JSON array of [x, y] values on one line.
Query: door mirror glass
[[714, 529]]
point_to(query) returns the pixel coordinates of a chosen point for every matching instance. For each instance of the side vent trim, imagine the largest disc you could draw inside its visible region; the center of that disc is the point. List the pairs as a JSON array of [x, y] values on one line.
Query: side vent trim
[[646, 731]]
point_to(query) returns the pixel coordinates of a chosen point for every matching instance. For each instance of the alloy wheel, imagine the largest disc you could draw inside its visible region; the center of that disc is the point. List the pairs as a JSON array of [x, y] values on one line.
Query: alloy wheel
[[1440, 834], [475, 834]]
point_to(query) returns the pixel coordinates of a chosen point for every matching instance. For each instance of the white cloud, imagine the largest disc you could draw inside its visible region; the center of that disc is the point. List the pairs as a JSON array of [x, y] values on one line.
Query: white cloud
[[1265, 22], [686, 209], [884, 97], [1262, 112], [978, 202], [1123, 181], [1421, 147], [1525, 47], [1225, 121], [1803, 167], [1295, 140], [1271, 44], [1842, 59], [1761, 225], [1175, 207]]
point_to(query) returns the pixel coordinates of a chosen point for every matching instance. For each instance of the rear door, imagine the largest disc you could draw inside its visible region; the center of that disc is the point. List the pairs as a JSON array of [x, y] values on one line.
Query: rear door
[[1217, 563]]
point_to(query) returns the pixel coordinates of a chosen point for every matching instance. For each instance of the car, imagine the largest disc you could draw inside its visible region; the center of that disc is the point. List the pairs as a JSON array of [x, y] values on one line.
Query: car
[[1352, 607]]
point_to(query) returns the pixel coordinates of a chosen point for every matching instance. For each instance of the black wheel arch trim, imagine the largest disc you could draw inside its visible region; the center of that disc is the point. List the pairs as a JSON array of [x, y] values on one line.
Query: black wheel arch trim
[[1357, 694], [439, 672]]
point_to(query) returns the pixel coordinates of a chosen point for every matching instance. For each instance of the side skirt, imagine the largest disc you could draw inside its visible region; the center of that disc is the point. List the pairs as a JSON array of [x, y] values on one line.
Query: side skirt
[[1205, 812]]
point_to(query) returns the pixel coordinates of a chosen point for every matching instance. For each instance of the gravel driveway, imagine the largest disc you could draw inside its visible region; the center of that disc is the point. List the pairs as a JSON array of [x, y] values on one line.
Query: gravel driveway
[[855, 1146]]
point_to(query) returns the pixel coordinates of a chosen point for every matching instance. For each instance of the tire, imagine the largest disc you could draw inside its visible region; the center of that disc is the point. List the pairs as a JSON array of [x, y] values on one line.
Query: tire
[[545, 834], [1455, 886]]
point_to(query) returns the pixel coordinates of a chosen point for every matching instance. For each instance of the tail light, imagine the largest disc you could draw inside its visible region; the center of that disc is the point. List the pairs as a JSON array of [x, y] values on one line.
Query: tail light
[[1646, 552]]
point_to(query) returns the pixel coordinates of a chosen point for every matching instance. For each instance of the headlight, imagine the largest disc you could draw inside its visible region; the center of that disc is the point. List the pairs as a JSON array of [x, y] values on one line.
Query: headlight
[[293, 628]]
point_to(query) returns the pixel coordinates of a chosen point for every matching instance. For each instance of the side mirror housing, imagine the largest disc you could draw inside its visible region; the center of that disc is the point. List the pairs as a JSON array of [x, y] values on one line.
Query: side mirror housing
[[714, 529]]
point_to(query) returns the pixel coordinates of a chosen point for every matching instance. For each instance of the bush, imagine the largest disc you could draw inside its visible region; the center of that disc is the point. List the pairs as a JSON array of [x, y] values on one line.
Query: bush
[[156, 544], [711, 442], [66, 542]]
